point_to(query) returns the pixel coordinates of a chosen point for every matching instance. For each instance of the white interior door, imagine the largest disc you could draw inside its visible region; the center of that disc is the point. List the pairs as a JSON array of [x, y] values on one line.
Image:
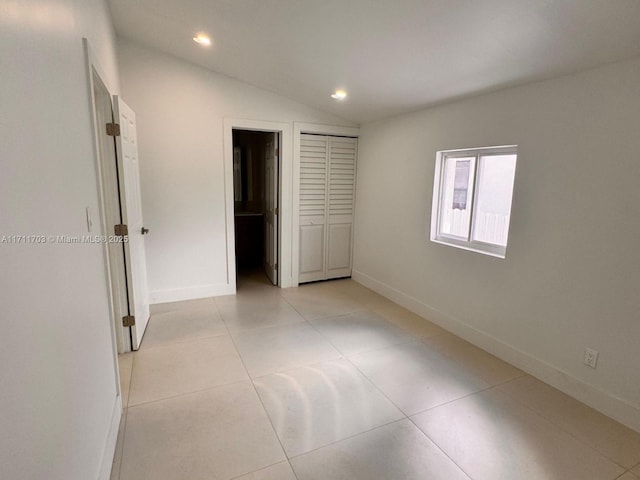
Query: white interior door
[[271, 209], [313, 207], [131, 205]]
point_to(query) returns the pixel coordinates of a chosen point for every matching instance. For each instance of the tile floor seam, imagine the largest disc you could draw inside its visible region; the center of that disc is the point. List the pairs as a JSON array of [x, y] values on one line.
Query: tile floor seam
[[189, 393], [240, 332], [559, 427], [133, 365], [358, 353], [448, 402], [178, 342], [440, 448], [255, 390], [319, 318], [250, 330], [377, 387], [262, 468]]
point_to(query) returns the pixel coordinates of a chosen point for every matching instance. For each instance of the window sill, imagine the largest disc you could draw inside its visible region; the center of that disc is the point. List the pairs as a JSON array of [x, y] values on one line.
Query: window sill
[[485, 249]]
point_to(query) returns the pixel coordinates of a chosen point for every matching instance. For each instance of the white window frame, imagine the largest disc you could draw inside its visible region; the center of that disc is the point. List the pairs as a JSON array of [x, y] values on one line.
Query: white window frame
[[491, 249]]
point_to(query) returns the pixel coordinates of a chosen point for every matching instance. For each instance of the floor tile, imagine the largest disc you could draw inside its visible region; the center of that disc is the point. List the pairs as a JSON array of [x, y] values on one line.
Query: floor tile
[[416, 378], [179, 368], [409, 321], [360, 293], [491, 436], [198, 304], [125, 365], [314, 302], [628, 476], [220, 433], [491, 369], [610, 438], [182, 325], [398, 451], [359, 332], [315, 405], [279, 471], [240, 317], [274, 349]]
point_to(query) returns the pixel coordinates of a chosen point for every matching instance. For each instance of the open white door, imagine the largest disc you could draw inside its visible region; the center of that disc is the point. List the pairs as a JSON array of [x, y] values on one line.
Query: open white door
[[271, 209], [131, 205]]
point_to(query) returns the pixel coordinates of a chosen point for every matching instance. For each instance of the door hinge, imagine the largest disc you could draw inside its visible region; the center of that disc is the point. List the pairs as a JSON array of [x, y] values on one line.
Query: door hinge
[[113, 129], [276, 211], [120, 230], [275, 267], [128, 321]]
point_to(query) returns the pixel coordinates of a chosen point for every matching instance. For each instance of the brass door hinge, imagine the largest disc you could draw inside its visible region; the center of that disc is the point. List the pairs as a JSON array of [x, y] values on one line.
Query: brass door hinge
[[120, 230], [275, 267], [113, 129], [128, 321], [276, 211]]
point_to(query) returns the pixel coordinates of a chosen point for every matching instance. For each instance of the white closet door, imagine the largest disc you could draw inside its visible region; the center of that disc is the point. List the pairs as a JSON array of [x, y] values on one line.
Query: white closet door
[[313, 207], [341, 192]]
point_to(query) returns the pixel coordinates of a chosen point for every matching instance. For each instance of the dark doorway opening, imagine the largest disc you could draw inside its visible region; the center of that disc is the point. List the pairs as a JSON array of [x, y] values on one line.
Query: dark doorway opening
[[255, 188]]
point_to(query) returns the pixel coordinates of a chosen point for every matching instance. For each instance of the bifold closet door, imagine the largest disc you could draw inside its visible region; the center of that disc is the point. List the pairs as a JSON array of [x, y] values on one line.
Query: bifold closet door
[[313, 207], [341, 191], [327, 189]]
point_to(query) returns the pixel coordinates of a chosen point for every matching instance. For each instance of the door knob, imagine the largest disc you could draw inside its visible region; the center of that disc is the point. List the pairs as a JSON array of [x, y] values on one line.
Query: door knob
[[144, 231]]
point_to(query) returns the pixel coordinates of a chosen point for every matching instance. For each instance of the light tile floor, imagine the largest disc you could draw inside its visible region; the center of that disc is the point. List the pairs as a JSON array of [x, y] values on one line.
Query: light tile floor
[[331, 381]]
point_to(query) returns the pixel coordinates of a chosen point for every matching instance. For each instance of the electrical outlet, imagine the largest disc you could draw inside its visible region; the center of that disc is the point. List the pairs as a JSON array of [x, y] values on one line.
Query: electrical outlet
[[590, 357]]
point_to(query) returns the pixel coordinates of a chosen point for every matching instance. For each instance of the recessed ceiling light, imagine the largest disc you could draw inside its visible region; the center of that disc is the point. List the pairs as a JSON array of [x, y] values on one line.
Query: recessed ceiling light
[[339, 95], [202, 39]]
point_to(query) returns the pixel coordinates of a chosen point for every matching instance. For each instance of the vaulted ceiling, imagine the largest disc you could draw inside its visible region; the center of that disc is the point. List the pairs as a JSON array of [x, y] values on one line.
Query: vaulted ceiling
[[390, 56]]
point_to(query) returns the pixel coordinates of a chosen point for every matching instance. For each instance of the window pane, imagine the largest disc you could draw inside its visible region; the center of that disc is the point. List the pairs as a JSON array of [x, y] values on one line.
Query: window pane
[[493, 208], [457, 193]]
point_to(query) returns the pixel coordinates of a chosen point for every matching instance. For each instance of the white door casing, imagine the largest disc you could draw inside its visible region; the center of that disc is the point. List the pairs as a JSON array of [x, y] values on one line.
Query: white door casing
[[131, 205], [271, 209]]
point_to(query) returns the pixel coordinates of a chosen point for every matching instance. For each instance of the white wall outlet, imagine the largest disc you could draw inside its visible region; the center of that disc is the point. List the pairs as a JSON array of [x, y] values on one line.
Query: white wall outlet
[[590, 357]]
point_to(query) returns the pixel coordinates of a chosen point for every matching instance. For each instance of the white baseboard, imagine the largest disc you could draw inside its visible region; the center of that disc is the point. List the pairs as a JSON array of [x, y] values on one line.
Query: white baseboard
[[112, 438], [191, 293], [605, 403]]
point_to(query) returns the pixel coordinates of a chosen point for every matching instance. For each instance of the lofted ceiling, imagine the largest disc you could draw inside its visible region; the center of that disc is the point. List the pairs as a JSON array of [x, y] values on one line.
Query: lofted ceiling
[[390, 56]]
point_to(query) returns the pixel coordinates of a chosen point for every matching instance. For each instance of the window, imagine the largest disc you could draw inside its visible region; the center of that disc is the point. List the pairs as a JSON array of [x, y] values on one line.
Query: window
[[472, 198]]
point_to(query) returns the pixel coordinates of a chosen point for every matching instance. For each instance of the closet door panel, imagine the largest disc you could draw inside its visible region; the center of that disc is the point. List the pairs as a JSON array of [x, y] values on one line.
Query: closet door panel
[[339, 248], [341, 195], [313, 207]]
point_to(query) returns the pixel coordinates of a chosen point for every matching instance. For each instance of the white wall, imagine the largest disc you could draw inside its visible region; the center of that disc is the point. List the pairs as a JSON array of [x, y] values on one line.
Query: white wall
[[58, 381], [180, 109], [572, 270]]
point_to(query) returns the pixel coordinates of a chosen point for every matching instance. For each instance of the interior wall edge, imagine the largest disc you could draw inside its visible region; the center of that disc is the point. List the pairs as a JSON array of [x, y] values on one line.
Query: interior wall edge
[[609, 405], [112, 438]]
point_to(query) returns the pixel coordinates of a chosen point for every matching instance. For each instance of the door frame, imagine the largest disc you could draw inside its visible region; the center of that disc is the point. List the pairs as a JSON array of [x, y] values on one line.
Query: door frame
[[284, 196], [298, 129]]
